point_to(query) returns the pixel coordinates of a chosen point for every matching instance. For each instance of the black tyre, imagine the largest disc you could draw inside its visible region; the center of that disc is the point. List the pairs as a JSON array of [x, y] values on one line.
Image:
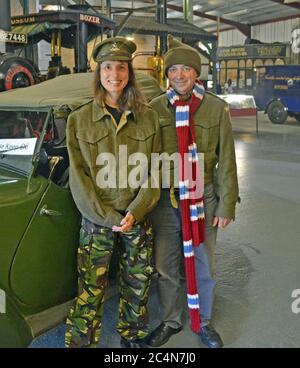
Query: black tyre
[[277, 112], [16, 72]]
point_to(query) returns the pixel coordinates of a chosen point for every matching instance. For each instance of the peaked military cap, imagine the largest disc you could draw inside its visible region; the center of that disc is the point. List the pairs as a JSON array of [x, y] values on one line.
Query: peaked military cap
[[181, 53], [115, 48]]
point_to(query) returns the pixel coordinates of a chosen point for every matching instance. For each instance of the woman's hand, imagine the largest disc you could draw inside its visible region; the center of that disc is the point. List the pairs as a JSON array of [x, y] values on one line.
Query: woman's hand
[[126, 224]]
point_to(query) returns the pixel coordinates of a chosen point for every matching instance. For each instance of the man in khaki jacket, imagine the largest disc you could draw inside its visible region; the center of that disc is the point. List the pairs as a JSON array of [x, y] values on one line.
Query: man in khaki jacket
[[213, 136]]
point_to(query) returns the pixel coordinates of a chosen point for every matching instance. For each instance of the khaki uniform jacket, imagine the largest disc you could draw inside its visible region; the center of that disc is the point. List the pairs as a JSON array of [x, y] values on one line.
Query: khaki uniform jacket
[[214, 138], [92, 131]]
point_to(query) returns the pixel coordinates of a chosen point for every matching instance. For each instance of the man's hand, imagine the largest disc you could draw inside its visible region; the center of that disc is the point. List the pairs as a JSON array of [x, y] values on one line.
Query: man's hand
[[126, 223], [221, 222]]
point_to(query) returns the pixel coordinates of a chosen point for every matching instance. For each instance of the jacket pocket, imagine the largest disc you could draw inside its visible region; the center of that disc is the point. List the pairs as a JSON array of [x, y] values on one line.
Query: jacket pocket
[[91, 135], [168, 134], [164, 121], [140, 141], [93, 142], [140, 135], [207, 136]]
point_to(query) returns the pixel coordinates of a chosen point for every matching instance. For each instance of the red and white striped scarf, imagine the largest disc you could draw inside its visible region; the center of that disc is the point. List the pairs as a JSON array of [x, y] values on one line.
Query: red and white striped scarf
[[191, 203]]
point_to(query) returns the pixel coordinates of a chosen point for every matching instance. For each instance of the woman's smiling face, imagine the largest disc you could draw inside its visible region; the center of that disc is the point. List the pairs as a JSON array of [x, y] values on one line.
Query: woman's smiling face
[[114, 76]]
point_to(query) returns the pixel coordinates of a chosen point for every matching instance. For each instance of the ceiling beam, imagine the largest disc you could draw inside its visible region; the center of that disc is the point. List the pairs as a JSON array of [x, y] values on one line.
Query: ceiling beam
[[145, 9], [123, 23], [288, 17], [244, 28], [294, 4]]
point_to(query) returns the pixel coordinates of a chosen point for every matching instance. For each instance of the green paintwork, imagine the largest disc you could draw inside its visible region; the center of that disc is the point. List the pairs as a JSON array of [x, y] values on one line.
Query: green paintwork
[[16, 208], [41, 289], [14, 331], [38, 253]]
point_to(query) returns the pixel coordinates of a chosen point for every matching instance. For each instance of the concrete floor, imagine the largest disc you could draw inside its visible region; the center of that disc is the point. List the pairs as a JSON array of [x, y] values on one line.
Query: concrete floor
[[258, 257]]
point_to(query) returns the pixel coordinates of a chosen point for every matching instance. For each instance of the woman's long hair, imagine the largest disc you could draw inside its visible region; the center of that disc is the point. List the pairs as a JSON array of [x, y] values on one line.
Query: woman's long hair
[[131, 99]]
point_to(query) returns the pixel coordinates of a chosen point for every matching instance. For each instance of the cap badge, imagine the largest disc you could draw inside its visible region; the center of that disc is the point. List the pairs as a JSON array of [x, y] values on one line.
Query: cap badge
[[114, 47]]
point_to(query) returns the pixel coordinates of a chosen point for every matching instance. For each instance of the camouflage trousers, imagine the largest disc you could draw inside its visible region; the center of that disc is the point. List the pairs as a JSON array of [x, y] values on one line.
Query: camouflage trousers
[[135, 269]]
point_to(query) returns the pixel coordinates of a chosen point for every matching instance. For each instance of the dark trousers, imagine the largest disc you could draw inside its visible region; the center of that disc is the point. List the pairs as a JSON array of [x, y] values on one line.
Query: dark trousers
[[168, 252]]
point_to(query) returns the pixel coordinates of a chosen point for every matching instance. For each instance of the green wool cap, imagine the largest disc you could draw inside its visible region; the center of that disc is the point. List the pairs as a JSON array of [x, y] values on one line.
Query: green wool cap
[[180, 53], [115, 48]]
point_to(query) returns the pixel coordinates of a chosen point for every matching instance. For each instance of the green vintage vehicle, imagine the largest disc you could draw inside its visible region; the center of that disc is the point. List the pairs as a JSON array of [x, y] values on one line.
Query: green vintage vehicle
[[39, 221]]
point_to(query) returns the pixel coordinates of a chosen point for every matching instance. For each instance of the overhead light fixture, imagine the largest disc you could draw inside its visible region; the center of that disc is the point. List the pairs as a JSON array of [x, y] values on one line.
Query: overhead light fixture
[[50, 7], [203, 47], [129, 38], [291, 1], [238, 12]]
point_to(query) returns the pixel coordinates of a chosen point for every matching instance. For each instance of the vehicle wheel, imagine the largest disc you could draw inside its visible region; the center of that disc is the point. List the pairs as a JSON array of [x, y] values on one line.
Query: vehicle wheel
[[16, 72], [297, 117], [277, 112]]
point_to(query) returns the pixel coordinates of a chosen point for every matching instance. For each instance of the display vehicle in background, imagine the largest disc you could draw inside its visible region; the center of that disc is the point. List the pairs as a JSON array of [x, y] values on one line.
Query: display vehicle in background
[[278, 92]]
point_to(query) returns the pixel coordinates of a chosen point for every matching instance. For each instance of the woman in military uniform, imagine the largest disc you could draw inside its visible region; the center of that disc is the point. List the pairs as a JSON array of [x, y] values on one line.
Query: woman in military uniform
[[116, 123]]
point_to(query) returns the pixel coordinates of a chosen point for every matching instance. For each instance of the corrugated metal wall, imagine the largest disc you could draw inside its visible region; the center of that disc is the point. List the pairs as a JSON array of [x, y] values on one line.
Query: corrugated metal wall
[[230, 38], [16, 8], [270, 32]]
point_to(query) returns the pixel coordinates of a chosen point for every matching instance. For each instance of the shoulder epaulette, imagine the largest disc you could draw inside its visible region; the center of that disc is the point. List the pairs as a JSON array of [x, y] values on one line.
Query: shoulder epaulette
[[158, 98], [82, 105], [215, 96]]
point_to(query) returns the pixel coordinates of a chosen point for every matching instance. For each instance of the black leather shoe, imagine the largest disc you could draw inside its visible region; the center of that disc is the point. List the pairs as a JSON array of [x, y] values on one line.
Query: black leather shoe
[[135, 343], [162, 334], [210, 337]]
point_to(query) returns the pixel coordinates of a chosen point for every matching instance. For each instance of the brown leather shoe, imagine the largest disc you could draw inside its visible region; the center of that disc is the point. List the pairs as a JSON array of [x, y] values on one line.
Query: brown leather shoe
[[161, 334]]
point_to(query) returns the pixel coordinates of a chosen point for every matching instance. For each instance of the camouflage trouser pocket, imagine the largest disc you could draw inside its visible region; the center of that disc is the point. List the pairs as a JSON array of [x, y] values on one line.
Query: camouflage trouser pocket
[[136, 246], [135, 276]]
